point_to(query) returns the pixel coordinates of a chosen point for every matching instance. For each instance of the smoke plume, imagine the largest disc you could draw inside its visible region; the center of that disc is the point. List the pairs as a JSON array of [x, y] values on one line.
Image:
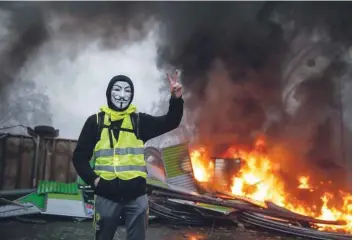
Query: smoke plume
[[248, 68], [267, 68]]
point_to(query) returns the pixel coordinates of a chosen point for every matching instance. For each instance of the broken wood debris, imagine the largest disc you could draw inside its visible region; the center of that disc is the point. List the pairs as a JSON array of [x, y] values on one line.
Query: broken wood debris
[[246, 207], [190, 208]]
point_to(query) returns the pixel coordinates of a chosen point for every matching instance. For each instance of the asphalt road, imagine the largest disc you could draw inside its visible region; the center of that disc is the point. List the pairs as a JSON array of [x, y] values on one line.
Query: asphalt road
[[75, 230]]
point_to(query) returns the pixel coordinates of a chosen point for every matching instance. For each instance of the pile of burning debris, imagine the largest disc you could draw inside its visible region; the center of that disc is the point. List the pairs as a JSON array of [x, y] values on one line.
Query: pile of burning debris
[[189, 187], [183, 207]]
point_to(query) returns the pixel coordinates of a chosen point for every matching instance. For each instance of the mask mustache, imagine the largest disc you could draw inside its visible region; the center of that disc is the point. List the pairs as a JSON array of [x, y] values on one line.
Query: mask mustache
[[125, 99]]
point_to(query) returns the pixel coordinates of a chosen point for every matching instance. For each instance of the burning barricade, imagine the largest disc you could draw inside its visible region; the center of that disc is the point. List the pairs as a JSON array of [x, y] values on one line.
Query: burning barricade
[[247, 187]]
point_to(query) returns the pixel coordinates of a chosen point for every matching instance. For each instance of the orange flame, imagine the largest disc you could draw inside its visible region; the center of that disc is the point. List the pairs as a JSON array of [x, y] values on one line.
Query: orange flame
[[258, 179], [304, 182], [202, 168]]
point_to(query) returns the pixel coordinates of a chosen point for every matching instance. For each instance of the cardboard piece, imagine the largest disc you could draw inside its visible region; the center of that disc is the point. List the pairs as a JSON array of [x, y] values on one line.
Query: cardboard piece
[[70, 205]]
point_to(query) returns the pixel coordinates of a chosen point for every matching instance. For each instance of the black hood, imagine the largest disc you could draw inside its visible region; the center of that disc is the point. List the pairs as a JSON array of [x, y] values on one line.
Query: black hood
[[109, 88]]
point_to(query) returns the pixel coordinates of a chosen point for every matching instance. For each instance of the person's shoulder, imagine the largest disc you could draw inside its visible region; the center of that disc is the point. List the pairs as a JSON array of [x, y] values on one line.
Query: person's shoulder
[[92, 117], [92, 120]]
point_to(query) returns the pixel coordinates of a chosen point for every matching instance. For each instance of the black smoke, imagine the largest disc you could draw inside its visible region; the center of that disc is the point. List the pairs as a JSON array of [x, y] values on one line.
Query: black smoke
[[27, 27], [26, 33], [232, 54]]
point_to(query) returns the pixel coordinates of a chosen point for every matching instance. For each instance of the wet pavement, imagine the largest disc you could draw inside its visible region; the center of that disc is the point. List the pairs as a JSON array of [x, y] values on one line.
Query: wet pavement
[[74, 230]]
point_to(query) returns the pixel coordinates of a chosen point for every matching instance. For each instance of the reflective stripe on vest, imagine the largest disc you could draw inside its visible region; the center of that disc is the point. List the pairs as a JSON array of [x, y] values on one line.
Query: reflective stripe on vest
[[118, 151], [120, 168]]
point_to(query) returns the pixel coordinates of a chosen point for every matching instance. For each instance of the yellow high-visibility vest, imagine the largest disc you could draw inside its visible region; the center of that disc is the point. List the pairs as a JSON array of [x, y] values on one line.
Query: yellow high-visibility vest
[[126, 159]]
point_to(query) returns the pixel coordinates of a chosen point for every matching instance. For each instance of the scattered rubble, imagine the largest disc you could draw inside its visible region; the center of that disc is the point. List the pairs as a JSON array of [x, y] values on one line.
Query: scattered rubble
[[193, 209], [10, 209]]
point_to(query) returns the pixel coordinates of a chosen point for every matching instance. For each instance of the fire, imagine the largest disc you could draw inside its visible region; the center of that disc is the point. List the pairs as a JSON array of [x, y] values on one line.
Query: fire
[[202, 167], [258, 179], [304, 182], [333, 213]]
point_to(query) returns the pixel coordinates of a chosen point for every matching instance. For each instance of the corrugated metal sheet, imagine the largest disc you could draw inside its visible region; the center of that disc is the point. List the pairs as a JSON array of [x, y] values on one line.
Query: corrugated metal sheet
[[174, 157], [57, 187], [157, 183], [178, 166]]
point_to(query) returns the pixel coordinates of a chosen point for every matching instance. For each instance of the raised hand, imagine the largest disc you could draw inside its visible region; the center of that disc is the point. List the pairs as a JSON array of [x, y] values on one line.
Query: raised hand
[[175, 87]]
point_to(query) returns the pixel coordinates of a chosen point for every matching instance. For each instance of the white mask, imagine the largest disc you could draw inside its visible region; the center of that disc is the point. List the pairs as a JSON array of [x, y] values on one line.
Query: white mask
[[121, 94]]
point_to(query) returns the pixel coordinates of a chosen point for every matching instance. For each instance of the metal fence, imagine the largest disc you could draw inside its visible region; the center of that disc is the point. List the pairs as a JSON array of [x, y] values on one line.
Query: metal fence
[[20, 169]]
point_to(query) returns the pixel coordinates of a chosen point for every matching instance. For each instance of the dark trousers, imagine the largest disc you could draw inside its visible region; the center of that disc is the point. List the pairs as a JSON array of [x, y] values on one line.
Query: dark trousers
[[107, 217]]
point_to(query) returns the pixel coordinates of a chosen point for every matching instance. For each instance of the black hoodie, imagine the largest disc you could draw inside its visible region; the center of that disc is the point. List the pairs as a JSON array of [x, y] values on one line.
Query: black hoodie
[[149, 127]]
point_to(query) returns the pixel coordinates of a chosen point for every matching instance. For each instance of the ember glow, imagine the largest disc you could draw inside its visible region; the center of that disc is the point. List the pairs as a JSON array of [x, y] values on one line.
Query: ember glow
[[258, 179]]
